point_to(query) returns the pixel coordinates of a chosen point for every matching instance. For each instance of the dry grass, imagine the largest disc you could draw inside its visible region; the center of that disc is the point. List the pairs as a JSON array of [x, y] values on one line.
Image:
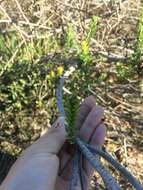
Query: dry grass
[[114, 40]]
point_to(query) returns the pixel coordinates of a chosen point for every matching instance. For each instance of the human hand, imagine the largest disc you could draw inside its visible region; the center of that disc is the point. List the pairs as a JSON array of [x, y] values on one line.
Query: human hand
[[46, 165]]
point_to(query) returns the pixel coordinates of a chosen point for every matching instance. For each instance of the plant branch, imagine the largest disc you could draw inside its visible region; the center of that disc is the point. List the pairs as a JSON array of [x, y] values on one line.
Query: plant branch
[[87, 151], [117, 165], [60, 88], [59, 97], [109, 180], [81, 177], [74, 177]]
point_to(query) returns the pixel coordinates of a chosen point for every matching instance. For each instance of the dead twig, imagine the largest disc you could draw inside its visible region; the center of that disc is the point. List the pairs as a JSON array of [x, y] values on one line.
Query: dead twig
[[140, 110], [21, 11], [114, 57], [22, 33]]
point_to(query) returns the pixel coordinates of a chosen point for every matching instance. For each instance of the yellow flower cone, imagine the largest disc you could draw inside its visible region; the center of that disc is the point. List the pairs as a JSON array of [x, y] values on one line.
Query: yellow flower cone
[[60, 70]]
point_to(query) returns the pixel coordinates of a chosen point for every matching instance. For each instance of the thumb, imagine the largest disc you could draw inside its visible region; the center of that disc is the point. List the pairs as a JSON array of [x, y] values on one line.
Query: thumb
[[51, 142], [55, 137], [38, 161]]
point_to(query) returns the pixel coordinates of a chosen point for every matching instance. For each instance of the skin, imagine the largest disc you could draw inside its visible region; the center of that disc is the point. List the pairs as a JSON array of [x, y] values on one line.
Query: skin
[[46, 164]]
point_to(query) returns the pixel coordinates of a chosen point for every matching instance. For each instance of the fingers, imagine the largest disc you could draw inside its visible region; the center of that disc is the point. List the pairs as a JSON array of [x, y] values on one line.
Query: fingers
[[97, 139], [65, 154], [85, 108], [92, 121], [99, 135], [91, 131]]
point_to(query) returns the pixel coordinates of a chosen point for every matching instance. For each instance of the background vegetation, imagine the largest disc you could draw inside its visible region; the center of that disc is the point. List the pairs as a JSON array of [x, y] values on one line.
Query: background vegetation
[[39, 39]]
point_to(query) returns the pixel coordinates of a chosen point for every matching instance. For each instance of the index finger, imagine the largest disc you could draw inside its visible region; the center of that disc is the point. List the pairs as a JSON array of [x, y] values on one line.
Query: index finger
[[85, 109]]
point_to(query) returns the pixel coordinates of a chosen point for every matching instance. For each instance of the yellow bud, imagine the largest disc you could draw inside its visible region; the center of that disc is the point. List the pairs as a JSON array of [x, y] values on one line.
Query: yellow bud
[[60, 70], [39, 104], [52, 74], [111, 80], [85, 47]]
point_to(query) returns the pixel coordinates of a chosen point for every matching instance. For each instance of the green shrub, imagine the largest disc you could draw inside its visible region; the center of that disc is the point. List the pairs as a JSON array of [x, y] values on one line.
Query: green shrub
[[138, 47]]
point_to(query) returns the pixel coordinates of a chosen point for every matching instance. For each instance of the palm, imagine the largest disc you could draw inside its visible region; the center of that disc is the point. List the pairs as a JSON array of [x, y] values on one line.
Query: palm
[[39, 164]]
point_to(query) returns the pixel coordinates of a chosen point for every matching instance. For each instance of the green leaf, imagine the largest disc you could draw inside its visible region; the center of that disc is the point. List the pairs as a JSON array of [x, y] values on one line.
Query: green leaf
[[72, 41], [72, 106], [92, 28]]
